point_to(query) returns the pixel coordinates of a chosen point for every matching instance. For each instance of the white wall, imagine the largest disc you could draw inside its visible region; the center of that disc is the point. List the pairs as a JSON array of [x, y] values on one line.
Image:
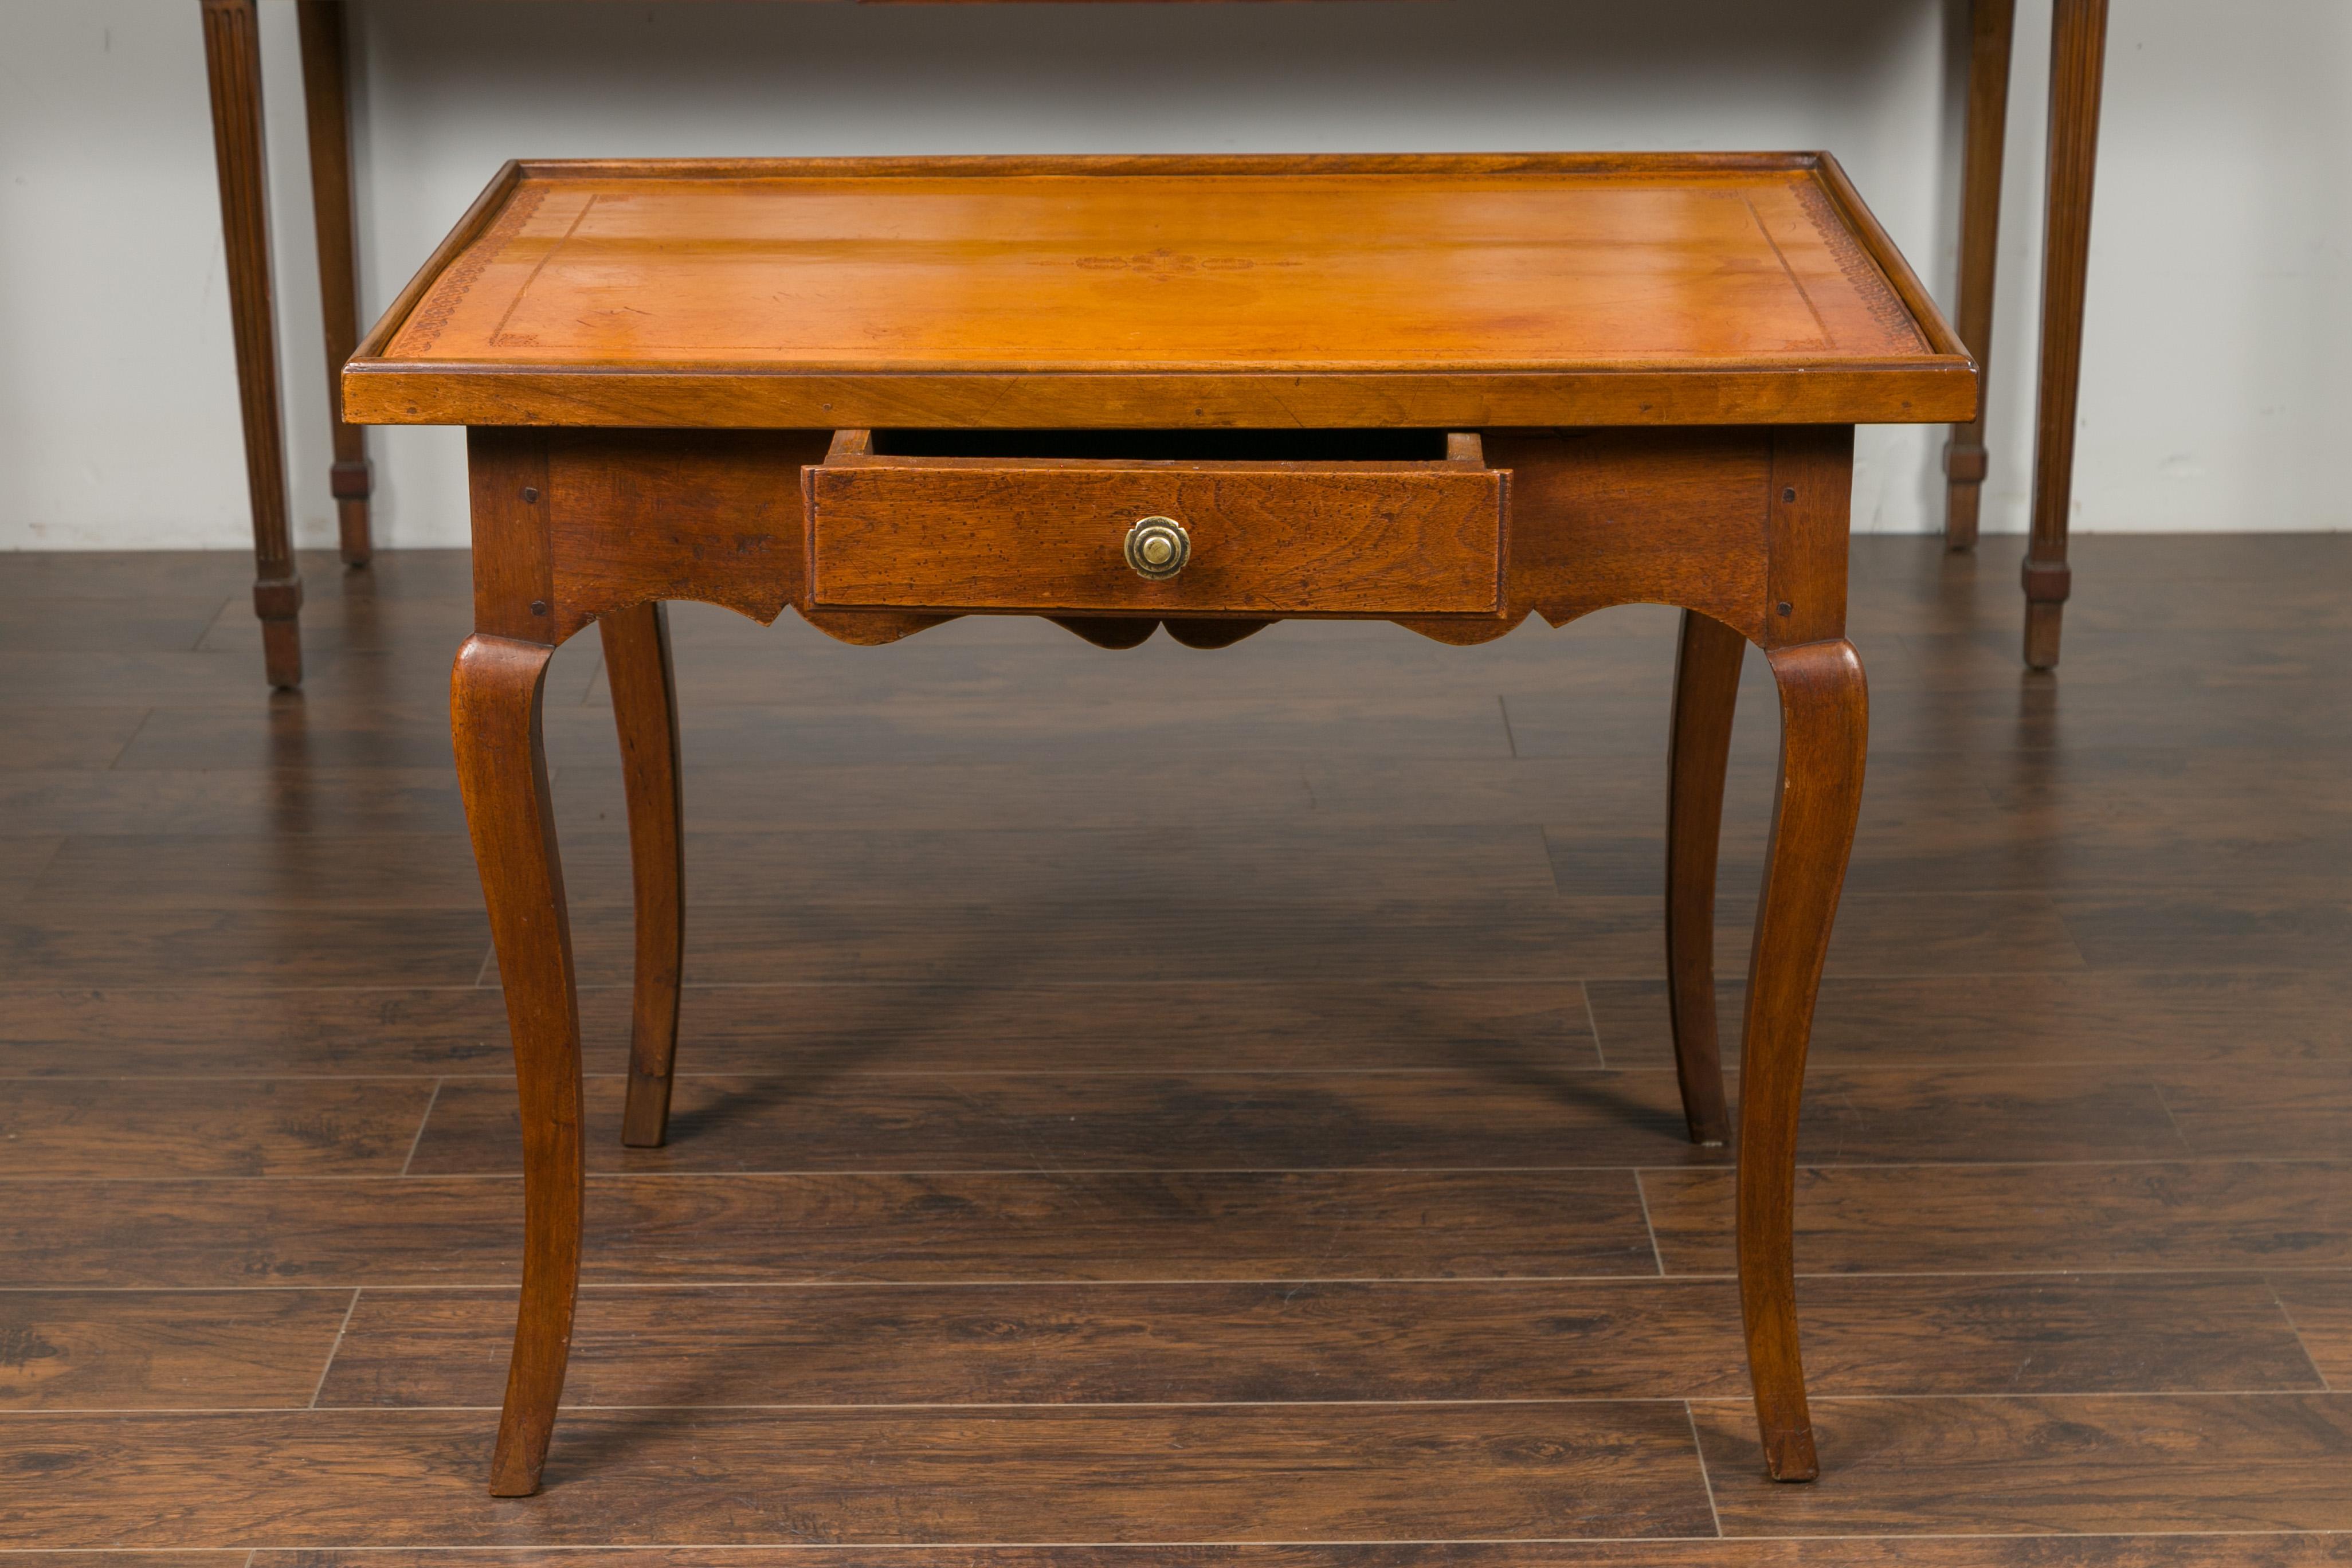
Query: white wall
[[2218, 318]]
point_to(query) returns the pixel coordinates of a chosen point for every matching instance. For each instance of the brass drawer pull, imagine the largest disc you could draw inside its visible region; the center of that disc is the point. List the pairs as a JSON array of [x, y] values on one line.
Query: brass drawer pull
[[1158, 547]]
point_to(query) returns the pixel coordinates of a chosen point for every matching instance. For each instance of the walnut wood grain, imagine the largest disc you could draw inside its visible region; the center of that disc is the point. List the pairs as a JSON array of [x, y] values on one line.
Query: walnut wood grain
[[1160, 1342], [1707, 691], [1268, 539], [1598, 518], [233, 66], [1169, 292], [1023, 1227], [1611, 516], [1017, 1025], [644, 710], [1142, 937], [514, 566], [2115, 1551], [1609, 1468], [1520, 1113], [1984, 1219], [1825, 721], [2097, 1017], [1810, 495], [237, 1127], [2083, 1464], [2131, 1216], [276, 947], [713, 515], [494, 699], [137, 1350], [2320, 1307]]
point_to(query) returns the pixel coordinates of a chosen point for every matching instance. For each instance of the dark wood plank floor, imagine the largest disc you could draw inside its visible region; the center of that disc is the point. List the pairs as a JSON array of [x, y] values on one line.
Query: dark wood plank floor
[[1164, 1109]]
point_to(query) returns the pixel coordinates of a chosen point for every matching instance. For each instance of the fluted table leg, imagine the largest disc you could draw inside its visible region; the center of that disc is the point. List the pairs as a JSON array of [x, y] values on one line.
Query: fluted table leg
[[233, 62]]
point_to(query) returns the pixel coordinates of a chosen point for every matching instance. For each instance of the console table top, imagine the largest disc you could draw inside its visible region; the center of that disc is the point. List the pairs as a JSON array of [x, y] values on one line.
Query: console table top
[[1475, 289]]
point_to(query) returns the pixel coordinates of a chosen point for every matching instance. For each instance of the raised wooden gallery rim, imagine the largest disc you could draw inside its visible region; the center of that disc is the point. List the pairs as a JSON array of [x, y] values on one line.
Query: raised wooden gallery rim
[[1438, 292]]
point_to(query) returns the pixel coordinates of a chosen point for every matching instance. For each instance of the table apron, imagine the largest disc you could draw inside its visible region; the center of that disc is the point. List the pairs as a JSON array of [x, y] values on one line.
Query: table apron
[[1745, 524]]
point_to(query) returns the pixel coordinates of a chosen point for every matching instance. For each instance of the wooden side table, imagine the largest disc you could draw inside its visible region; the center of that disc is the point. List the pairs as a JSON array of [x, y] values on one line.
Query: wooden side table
[[2078, 47], [1130, 393]]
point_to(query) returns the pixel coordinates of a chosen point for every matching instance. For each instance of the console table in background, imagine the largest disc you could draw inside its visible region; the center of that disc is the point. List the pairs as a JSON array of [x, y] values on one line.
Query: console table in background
[[233, 56]]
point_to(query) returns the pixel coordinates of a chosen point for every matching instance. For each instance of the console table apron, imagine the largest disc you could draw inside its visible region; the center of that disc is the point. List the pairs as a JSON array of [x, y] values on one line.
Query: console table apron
[[2078, 48], [1130, 393]]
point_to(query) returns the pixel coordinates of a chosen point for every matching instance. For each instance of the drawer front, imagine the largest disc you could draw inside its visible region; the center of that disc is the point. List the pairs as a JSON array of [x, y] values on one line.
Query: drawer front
[[1265, 540]]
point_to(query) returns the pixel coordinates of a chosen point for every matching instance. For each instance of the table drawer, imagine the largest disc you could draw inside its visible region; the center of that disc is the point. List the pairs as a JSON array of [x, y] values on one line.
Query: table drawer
[[1259, 523]]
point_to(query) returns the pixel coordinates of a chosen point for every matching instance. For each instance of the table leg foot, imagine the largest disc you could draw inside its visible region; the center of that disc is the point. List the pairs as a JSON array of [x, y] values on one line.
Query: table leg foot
[[645, 710], [352, 481], [495, 698], [1824, 723], [1706, 692], [1964, 472], [277, 604], [2048, 584], [2044, 626]]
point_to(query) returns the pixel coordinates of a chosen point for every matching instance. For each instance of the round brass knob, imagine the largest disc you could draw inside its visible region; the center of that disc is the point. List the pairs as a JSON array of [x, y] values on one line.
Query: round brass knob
[[1158, 547]]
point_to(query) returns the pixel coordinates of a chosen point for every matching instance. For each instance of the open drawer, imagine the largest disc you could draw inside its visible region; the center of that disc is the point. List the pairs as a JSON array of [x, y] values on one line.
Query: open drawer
[[1262, 524]]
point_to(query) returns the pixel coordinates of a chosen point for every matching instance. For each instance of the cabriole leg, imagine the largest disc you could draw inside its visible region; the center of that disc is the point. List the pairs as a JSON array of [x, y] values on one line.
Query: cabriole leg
[[1825, 724], [1706, 692], [494, 710], [645, 710]]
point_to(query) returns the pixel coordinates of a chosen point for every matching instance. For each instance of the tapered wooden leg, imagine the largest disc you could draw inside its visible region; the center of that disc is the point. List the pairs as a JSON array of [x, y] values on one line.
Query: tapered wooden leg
[[1707, 691], [644, 710], [1992, 34], [494, 709], [1825, 724], [324, 56], [2078, 48], [233, 65]]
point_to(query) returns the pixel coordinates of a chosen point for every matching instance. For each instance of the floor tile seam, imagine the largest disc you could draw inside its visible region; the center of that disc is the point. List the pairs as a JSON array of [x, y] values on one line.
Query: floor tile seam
[[1821, 1066], [841, 1280], [1649, 1226], [1061, 1073], [921, 974], [1735, 1402], [1250, 1542], [2301, 1339], [1646, 977], [1469, 1067], [333, 1347], [423, 1121], [1724, 1165], [1699, 1452], [310, 1549], [2206, 1274]]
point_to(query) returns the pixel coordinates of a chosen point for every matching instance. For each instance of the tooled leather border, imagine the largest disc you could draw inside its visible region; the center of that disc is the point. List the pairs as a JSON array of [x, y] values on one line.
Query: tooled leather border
[[1878, 297], [432, 317]]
